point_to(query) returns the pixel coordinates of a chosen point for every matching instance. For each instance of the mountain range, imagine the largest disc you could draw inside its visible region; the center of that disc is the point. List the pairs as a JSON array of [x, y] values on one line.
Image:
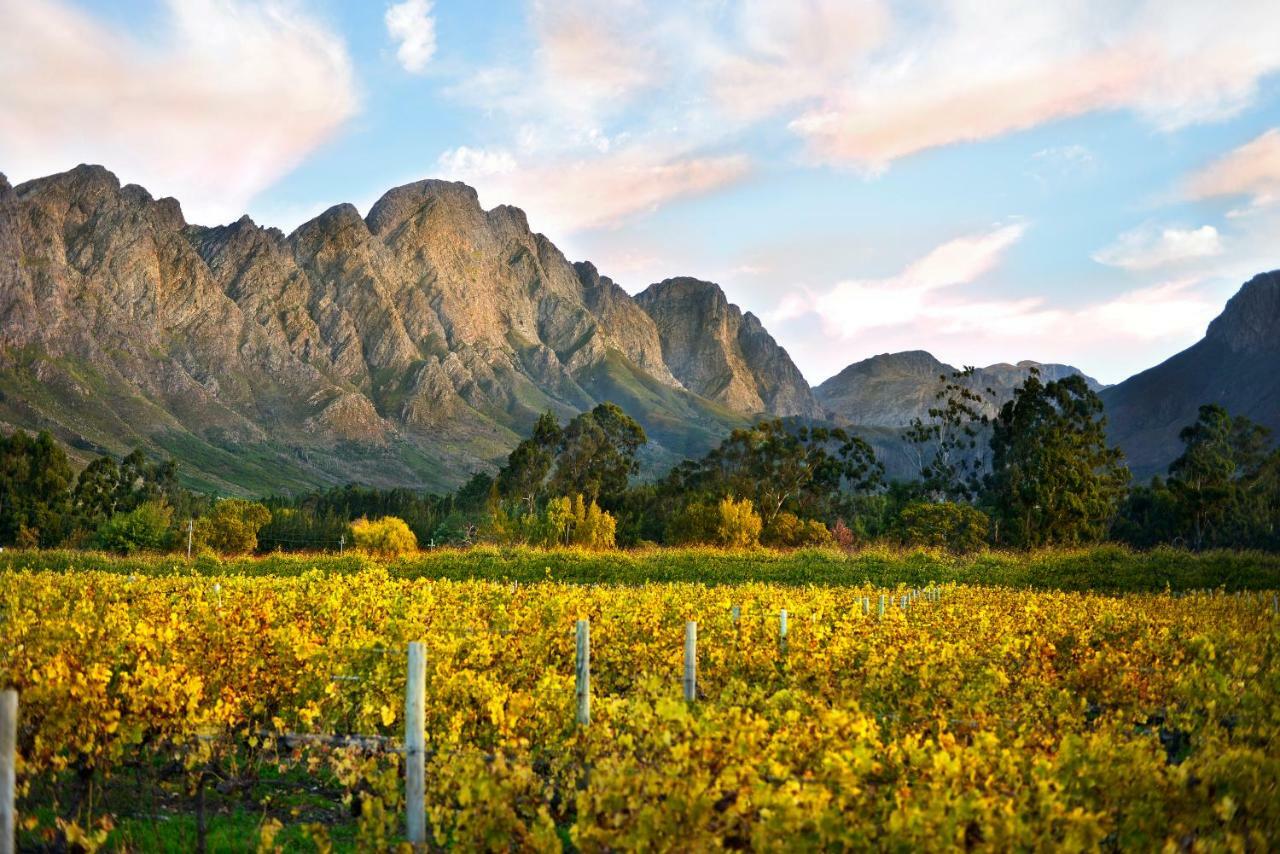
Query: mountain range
[[417, 344]]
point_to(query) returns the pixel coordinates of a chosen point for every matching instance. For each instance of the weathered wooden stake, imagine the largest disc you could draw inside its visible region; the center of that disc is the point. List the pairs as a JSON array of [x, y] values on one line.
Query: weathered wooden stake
[[866, 606], [736, 613], [415, 725], [690, 661], [880, 611], [584, 672], [8, 759]]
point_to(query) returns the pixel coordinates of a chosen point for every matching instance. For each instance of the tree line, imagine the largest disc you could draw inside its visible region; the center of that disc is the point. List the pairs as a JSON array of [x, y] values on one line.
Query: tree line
[[1039, 472]]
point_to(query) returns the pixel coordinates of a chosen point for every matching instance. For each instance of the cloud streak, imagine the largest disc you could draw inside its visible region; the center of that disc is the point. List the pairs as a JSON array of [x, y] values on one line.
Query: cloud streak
[[233, 97], [1251, 170], [1148, 248]]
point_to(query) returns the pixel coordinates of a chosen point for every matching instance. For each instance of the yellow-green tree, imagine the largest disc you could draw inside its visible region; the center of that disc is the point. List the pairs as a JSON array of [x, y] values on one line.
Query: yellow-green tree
[[738, 525], [787, 530], [231, 528], [572, 521], [387, 537]]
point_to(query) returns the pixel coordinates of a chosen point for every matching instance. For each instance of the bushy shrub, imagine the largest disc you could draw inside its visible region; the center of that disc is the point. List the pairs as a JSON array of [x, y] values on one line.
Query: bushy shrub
[[732, 523], [231, 527], [388, 537], [787, 530], [959, 528], [145, 528]]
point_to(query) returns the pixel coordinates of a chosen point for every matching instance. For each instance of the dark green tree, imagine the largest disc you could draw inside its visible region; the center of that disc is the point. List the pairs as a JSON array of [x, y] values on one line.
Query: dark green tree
[[594, 454], [1054, 479], [800, 470], [35, 490], [951, 445], [1223, 484]]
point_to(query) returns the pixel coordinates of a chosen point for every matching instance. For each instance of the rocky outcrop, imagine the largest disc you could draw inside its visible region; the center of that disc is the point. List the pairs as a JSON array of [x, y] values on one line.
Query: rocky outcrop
[[1236, 365], [892, 389], [408, 347], [718, 352]]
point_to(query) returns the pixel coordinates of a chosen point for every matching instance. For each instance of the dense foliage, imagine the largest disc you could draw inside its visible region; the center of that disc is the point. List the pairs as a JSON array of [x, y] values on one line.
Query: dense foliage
[[1040, 473], [989, 719]]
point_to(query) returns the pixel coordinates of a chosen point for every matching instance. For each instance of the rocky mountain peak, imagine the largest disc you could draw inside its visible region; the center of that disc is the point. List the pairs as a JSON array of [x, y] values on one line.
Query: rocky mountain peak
[[1251, 320], [717, 352]]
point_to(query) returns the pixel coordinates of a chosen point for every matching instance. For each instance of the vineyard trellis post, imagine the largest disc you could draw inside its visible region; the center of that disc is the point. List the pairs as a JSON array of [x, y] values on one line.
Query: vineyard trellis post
[[690, 661], [782, 631], [8, 774], [583, 671], [415, 770], [880, 611]]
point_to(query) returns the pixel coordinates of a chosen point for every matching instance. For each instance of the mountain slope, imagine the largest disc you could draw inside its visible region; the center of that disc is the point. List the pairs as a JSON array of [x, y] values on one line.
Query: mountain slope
[[1235, 365], [715, 350], [408, 347], [891, 389]]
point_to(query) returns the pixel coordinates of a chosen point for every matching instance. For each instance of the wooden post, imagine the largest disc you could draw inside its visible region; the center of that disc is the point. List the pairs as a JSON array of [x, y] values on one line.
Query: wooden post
[[690, 661], [866, 605], [8, 759], [736, 613], [782, 631], [415, 756], [584, 672], [880, 611]]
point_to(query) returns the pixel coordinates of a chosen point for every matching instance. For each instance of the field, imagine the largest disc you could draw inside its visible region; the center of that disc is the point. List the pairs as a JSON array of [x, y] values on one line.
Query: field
[[262, 702]]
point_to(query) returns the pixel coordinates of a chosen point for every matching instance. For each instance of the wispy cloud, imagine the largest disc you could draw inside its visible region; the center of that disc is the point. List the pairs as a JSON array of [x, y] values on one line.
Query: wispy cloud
[[853, 306], [577, 193], [412, 29], [1148, 248], [1252, 170], [233, 97]]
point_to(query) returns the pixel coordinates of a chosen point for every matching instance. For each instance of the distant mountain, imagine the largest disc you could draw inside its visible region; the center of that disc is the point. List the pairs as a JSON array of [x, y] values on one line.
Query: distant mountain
[[1236, 365], [715, 350], [409, 347], [891, 389]]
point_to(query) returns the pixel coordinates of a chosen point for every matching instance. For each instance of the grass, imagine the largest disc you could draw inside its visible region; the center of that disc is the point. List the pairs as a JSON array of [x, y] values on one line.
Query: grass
[[1101, 568]]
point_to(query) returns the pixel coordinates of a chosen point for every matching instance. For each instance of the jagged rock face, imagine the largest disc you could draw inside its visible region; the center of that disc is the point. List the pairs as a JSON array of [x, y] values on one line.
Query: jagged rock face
[[716, 351], [1236, 365], [409, 347], [892, 389]]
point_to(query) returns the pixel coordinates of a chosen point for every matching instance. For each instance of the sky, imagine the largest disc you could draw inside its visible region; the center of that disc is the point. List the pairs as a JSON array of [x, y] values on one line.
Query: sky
[[990, 180]]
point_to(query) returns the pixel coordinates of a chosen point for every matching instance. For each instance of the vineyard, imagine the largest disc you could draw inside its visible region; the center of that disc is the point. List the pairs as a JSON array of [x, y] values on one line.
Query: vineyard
[[263, 712]]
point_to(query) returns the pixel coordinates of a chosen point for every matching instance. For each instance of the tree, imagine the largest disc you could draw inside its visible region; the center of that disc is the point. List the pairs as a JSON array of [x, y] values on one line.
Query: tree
[[1211, 479], [738, 525], [955, 526], [951, 443], [35, 495], [529, 463], [144, 528], [387, 538], [232, 526], [802, 470], [1054, 479], [598, 453], [595, 454]]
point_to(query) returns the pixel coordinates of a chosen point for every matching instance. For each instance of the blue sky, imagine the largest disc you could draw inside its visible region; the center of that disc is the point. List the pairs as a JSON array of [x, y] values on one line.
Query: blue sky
[[990, 180]]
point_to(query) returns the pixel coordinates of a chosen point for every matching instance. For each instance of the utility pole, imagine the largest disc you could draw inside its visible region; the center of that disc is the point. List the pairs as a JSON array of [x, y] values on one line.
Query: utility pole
[[190, 526]]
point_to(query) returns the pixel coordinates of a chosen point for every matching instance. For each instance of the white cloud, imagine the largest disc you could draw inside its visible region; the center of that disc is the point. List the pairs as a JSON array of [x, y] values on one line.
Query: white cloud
[[1251, 170], [413, 30], [233, 97], [967, 70], [929, 304], [1148, 248], [577, 193], [851, 307], [476, 162]]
